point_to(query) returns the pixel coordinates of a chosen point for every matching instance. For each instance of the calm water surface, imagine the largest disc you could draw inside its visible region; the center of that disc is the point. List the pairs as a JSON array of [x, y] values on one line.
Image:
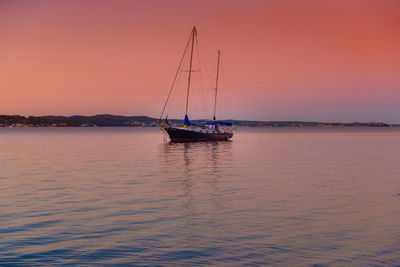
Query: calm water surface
[[121, 196]]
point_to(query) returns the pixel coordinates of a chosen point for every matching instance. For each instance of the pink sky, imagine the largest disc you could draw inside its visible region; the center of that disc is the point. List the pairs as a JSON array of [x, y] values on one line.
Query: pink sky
[[283, 60]]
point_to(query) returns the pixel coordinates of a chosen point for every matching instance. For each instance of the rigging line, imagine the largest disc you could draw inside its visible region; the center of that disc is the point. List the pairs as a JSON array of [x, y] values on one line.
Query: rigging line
[[207, 72], [201, 77], [176, 109], [225, 81], [205, 37], [176, 75], [216, 85], [205, 82]]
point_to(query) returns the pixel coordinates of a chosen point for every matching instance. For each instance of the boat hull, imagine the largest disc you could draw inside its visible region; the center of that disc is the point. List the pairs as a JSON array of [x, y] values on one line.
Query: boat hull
[[188, 135]]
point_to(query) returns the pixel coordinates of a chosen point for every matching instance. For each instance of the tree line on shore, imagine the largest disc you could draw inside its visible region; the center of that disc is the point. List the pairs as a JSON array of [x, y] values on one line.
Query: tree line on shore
[[105, 120]]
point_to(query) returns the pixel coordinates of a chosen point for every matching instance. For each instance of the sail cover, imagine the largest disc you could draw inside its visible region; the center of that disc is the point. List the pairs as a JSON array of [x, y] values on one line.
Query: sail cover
[[186, 121]]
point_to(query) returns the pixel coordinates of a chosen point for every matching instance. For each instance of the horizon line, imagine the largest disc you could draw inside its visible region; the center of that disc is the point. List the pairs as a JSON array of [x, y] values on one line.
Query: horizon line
[[109, 114]]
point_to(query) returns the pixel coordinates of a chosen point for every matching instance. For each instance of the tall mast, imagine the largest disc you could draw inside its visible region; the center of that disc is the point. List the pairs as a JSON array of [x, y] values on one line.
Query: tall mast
[[194, 33], [216, 86]]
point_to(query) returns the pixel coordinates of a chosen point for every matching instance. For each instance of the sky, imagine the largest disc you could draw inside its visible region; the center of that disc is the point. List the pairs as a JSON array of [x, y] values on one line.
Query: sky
[[305, 60]]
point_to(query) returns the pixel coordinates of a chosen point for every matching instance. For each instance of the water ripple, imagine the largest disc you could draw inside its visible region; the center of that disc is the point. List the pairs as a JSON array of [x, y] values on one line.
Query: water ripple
[[119, 196]]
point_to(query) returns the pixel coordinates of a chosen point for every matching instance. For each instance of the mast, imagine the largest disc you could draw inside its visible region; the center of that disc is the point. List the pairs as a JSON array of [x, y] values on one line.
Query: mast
[[194, 34], [216, 86]]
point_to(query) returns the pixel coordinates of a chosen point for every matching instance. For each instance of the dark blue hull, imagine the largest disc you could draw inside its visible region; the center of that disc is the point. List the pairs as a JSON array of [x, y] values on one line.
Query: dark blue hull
[[188, 135]]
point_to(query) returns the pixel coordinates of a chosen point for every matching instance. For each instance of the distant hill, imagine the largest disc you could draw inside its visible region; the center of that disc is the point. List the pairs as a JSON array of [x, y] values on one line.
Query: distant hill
[[17, 120], [108, 120], [309, 124], [104, 120]]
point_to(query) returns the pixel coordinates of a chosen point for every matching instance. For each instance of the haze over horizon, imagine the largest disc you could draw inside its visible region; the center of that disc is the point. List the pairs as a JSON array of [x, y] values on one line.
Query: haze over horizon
[[283, 60]]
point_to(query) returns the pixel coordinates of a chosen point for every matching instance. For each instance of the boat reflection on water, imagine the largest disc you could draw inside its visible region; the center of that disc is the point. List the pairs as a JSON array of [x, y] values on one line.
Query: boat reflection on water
[[193, 155], [195, 171]]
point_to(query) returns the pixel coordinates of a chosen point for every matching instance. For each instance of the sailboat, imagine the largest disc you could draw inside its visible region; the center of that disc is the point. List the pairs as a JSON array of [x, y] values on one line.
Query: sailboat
[[212, 130]]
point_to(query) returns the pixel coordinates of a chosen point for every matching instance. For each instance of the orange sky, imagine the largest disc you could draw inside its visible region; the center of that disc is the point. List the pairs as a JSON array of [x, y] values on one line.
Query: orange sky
[[283, 60]]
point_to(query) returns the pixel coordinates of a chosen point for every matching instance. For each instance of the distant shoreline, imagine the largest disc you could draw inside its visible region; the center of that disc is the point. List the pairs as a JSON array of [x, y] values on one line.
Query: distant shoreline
[[107, 120]]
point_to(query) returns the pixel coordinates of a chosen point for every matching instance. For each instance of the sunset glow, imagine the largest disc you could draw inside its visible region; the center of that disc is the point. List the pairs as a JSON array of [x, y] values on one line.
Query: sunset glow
[[283, 60]]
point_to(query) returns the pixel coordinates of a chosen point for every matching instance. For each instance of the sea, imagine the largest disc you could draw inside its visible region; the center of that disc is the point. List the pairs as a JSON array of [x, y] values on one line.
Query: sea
[[269, 197]]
